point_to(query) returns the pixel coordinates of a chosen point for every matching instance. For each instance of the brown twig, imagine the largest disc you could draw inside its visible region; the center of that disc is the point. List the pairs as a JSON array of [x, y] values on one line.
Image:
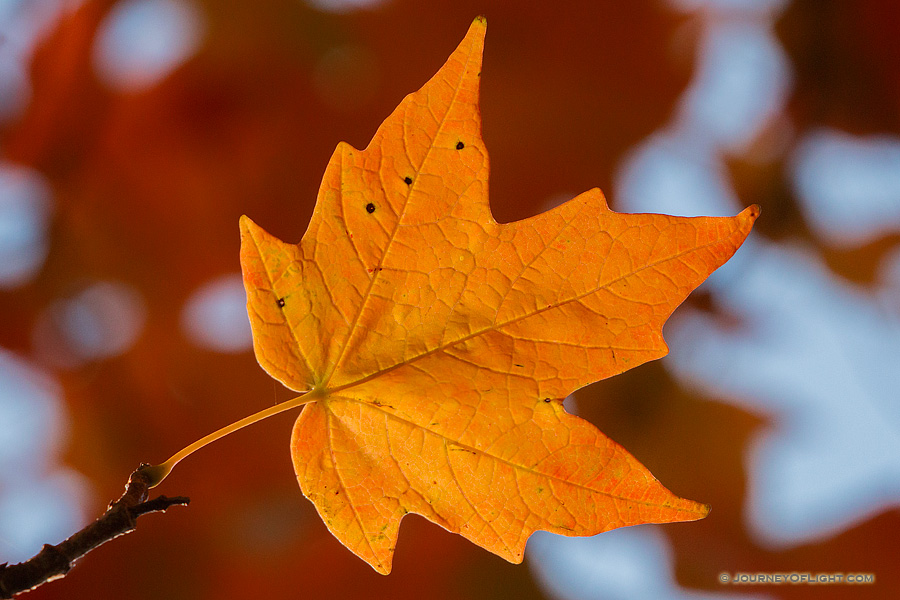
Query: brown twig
[[53, 562]]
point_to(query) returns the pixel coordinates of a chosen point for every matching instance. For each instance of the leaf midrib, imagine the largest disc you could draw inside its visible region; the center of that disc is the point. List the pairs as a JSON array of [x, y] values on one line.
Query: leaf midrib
[[498, 326], [448, 440], [377, 273]]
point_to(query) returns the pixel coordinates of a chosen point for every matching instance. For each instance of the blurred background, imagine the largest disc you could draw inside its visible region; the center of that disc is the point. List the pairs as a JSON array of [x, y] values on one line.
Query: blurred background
[[134, 133]]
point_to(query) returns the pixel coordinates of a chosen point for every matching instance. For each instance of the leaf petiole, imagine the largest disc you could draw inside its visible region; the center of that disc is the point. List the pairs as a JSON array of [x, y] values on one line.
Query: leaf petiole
[[157, 473]]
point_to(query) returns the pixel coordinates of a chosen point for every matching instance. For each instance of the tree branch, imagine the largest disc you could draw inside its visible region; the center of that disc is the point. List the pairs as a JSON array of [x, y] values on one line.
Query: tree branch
[[53, 562]]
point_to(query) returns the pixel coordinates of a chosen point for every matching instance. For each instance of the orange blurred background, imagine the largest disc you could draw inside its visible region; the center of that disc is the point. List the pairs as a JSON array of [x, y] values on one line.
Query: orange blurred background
[[139, 139]]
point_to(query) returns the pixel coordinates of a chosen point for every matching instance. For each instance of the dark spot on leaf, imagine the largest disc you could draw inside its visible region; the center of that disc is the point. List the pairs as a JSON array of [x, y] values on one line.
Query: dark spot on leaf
[[407, 180], [370, 208], [546, 399], [281, 302], [460, 145]]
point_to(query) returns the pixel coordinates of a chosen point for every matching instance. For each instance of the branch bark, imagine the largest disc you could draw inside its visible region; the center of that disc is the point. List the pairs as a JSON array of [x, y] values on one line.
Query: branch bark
[[53, 562]]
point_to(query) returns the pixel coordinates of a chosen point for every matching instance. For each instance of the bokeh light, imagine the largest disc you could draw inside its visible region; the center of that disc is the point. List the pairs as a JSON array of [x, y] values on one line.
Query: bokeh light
[[101, 321], [141, 41], [215, 316], [25, 208], [39, 500], [632, 563], [23, 23], [343, 6], [849, 186]]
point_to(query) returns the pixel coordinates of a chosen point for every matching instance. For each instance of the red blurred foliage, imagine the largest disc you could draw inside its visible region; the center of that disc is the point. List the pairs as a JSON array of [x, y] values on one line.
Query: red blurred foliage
[[149, 187]]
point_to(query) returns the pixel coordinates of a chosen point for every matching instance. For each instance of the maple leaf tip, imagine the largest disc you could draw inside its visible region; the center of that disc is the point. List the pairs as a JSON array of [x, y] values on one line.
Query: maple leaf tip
[[752, 212], [382, 567], [248, 226], [478, 28]]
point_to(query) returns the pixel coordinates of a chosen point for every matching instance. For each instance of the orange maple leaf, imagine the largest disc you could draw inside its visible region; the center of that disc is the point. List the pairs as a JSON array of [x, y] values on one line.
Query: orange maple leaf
[[435, 344]]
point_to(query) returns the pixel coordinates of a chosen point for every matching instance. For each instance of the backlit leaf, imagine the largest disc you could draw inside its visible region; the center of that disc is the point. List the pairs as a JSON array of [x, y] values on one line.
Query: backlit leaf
[[439, 344]]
